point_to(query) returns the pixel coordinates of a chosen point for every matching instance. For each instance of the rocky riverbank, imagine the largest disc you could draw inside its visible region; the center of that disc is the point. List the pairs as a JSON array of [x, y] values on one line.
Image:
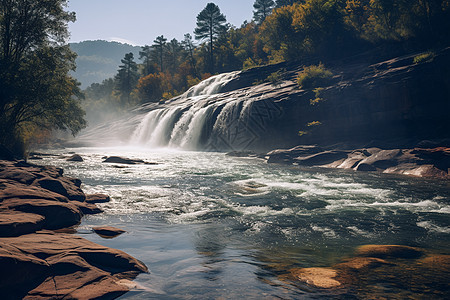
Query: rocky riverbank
[[420, 162], [40, 257]]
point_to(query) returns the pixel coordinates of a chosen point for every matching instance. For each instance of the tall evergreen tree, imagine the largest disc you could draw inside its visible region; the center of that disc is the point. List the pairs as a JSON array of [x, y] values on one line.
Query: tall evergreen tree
[[210, 24], [127, 77], [145, 55], [263, 8], [189, 48], [159, 45]]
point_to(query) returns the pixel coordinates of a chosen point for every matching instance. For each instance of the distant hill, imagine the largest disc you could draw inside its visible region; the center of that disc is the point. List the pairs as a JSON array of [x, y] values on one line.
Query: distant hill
[[99, 60]]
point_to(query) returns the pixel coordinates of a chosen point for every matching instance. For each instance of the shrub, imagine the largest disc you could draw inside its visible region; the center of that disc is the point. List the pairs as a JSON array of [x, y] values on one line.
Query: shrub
[[314, 76], [318, 99], [424, 57], [275, 77]]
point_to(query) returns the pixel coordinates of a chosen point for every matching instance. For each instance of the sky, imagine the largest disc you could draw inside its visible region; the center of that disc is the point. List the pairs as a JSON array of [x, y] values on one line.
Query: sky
[[139, 22]]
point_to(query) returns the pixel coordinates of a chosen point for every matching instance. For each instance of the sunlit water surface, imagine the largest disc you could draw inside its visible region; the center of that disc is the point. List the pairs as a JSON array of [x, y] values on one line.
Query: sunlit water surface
[[210, 226]]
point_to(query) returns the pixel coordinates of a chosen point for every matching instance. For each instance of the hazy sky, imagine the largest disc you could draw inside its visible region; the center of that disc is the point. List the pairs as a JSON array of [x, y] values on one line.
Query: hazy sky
[[139, 22]]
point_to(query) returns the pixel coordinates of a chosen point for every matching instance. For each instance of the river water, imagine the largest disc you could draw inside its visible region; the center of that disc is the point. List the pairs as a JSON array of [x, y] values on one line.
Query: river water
[[210, 226]]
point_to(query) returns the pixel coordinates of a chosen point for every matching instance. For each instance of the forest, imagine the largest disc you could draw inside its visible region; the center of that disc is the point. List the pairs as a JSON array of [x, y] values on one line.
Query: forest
[[294, 31], [38, 94]]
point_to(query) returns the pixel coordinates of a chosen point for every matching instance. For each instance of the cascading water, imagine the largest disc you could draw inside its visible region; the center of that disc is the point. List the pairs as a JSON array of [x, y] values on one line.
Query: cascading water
[[201, 118]]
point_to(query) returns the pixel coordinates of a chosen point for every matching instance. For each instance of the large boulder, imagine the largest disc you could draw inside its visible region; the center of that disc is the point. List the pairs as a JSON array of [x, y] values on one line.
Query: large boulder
[[74, 268]]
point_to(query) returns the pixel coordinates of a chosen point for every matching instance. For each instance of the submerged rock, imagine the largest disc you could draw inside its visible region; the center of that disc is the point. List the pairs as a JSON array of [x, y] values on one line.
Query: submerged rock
[[389, 251], [317, 277]]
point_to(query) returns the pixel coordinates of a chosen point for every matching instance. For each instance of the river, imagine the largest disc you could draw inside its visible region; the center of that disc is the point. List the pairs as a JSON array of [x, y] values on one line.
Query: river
[[211, 226]]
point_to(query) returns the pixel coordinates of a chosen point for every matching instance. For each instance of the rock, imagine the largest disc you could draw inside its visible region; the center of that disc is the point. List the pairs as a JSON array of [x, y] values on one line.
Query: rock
[[18, 174], [318, 277], [381, 160], [16, 223], [74, 268], [389, 251], [57, 214], [286, 156], [108, 231], [53, 265], [362, 263], [63, 186], [20, 271], [12, 189], [321, 158], [437, 262], [122, 160], [97, 198], [88, 208], [75, 157]]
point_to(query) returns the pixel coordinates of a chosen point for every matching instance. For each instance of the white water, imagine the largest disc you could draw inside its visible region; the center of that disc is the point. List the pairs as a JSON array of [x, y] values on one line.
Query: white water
[[196, 119]]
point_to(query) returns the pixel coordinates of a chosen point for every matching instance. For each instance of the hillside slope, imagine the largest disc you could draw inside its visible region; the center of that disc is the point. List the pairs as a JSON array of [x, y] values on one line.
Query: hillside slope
[[99, 60]]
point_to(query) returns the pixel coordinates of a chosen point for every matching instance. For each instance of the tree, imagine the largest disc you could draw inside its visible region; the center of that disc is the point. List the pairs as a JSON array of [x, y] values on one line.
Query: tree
[[159, 45], [146, 56], [263, 8], [210, 24], [127, 77], [281, 3], [173, 54], [36, 90], [188, 45]]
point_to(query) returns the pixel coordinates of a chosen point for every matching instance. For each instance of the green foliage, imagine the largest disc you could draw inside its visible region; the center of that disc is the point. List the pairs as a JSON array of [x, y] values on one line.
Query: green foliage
[[159, 45], [210, 25], [249, 64], [314, 123], [126, 78], [424, 57], [314, 76], [275, 77], [263, 8], [36, 91], [317, 99]]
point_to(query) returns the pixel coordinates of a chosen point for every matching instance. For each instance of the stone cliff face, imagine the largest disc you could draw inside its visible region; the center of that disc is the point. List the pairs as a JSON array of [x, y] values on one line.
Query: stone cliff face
[[394, 103]]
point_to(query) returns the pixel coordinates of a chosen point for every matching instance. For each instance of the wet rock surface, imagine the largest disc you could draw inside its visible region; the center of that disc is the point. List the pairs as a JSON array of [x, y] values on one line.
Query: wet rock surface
[[38, 260], [420, 162], [416, 270]]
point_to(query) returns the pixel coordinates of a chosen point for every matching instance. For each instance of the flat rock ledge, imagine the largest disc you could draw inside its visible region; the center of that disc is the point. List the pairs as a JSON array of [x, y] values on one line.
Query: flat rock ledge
[[38, 260], [419, 162]]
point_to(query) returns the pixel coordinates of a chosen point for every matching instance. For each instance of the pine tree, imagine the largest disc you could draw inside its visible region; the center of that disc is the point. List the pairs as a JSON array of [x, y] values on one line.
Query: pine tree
[[210, 25], [263, 8], [127, 77], [189, 48], [145, 56], [159, 45]]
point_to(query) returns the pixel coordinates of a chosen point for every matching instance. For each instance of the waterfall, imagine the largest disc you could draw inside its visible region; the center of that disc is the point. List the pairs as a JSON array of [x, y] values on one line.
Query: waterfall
[[181, 122], [203, 118]]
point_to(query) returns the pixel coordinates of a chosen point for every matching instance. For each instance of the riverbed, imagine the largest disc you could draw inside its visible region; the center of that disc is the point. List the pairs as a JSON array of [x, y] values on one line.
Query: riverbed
[[210, 226]]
